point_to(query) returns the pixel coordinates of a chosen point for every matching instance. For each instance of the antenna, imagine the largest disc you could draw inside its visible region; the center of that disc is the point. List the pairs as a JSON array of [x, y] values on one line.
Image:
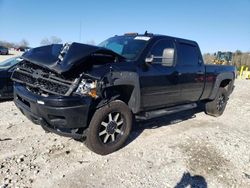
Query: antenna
[[80, 32]]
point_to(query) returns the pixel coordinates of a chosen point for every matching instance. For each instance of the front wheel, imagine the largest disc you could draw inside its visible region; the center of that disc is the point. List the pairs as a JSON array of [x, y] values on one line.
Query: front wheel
[[109, 128], [218, 105]]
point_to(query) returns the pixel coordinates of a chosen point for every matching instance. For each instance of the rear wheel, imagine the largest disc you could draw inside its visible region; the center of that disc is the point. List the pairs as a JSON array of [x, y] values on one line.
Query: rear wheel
[[109, 128], [218, 105]]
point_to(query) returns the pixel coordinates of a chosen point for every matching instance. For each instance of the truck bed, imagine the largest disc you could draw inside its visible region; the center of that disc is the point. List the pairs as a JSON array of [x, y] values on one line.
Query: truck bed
[[213, 75]]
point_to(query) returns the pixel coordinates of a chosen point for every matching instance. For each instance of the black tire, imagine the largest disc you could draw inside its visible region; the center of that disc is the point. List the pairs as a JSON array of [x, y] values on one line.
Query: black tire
[[108, 131], [218, 105]]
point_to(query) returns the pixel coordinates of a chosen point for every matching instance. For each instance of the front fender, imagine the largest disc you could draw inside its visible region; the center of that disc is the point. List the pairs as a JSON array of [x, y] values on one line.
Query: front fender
[[128, 79]]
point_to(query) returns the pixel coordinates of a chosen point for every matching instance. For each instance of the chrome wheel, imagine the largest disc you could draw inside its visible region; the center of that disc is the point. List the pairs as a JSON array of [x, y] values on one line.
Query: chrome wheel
[[221, 102], [111, 128]]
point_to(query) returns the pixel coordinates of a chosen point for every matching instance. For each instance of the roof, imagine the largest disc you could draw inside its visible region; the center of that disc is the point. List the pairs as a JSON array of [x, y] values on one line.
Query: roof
[[152, 35]]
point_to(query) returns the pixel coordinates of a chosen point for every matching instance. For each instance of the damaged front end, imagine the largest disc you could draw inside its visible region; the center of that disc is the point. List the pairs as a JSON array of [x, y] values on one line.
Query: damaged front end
[[44, 82], [61, 70], [53, 87]]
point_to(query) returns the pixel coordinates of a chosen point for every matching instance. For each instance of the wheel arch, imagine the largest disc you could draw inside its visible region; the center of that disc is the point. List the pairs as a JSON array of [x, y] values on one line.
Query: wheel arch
[[125, 87], [225, 80]]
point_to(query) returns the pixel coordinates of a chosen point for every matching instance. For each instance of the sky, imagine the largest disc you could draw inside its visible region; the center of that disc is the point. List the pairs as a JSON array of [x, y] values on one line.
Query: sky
[[215, 24]]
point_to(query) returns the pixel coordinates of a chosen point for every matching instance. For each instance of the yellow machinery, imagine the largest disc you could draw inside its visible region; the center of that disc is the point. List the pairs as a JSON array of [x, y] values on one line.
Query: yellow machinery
[[244, 74], [223, 58]]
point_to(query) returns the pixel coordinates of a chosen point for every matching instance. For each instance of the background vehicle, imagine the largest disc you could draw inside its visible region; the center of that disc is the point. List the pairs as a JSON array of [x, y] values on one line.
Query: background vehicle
[[6, 69], [223, 58], [4, 50], [23, 49], [94, 91]]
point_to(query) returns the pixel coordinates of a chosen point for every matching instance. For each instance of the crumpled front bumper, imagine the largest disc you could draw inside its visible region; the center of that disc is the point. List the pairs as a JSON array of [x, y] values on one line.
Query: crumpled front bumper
[[54, 113]]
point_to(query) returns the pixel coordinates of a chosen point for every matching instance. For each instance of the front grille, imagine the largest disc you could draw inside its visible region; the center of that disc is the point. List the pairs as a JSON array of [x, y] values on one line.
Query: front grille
[[41, 80]]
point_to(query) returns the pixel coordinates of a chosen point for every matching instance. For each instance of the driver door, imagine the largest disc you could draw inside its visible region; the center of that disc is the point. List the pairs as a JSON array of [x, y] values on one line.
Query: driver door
[[160, 80]]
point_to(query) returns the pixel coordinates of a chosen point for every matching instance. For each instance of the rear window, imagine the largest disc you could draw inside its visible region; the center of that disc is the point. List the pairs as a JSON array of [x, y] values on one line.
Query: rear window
[[188, 54]]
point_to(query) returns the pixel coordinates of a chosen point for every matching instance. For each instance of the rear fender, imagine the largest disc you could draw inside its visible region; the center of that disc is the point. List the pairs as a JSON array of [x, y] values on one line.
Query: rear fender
[[218, 81]]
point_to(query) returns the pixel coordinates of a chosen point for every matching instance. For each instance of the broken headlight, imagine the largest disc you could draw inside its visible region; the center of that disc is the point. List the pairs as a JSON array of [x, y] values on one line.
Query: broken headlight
[[87, 87]]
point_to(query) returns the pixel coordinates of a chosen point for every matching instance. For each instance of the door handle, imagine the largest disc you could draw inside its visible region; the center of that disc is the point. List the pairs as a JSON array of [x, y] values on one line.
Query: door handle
[[177, 73]]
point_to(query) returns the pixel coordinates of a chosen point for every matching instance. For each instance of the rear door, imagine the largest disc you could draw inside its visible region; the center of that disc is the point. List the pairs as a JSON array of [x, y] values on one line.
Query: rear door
[[191, 71], [159, 80]]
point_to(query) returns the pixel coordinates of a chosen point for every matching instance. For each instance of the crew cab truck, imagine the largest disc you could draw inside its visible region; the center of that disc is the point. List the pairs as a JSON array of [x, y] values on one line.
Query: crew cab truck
[[80, 90]]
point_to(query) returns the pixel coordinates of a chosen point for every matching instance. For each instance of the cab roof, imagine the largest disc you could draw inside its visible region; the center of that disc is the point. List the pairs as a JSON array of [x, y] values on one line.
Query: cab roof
[[159, 36]]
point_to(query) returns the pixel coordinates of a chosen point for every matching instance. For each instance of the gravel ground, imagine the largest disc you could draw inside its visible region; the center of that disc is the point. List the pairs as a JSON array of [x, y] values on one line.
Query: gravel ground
[[188, 148], [11, 54]]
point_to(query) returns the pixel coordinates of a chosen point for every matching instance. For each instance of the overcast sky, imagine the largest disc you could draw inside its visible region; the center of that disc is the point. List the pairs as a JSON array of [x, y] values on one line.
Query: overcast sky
[[215, 25]]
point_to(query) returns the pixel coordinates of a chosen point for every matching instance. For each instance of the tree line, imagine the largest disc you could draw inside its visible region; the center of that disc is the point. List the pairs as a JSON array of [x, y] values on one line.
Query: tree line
[[45, 41], [24, 43], [239, 58]]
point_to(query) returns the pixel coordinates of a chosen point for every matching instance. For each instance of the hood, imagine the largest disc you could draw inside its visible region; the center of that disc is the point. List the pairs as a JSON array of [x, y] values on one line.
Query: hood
[[62, 59]]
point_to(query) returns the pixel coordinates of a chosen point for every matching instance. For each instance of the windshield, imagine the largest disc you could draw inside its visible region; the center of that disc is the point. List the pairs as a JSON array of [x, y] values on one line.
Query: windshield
[[9, 62], [127, 46]]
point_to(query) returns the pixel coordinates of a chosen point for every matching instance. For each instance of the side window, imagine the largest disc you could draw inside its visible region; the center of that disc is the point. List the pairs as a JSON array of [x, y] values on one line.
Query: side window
[[163, 52], [188, 54]]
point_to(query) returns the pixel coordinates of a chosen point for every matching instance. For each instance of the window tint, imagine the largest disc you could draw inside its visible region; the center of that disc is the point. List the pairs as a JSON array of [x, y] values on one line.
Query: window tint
[[188, 54], [129, 47], [163, 52]]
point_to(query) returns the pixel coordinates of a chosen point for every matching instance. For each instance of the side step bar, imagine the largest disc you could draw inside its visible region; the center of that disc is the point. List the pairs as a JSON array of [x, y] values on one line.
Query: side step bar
[[165, 111]]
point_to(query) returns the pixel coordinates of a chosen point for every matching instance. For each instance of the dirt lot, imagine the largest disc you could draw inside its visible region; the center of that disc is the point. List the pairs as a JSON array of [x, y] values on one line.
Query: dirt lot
[[188, 148]]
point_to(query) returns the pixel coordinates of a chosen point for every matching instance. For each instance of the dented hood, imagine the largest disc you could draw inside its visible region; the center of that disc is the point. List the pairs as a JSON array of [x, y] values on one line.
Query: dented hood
[[62, 59]]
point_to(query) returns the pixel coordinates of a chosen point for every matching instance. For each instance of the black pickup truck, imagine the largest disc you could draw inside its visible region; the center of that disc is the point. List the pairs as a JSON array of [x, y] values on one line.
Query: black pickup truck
[[95, 92]]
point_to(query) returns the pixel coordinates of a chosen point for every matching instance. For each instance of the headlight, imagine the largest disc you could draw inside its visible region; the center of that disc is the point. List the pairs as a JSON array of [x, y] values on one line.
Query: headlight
[[87, 87]]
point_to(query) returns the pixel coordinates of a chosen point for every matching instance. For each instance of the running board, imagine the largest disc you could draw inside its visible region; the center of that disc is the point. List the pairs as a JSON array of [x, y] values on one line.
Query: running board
[[165, 111]]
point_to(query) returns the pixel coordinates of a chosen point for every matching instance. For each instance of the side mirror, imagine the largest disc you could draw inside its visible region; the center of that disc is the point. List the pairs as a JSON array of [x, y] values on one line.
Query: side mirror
[[168, 57], [149, 59]]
